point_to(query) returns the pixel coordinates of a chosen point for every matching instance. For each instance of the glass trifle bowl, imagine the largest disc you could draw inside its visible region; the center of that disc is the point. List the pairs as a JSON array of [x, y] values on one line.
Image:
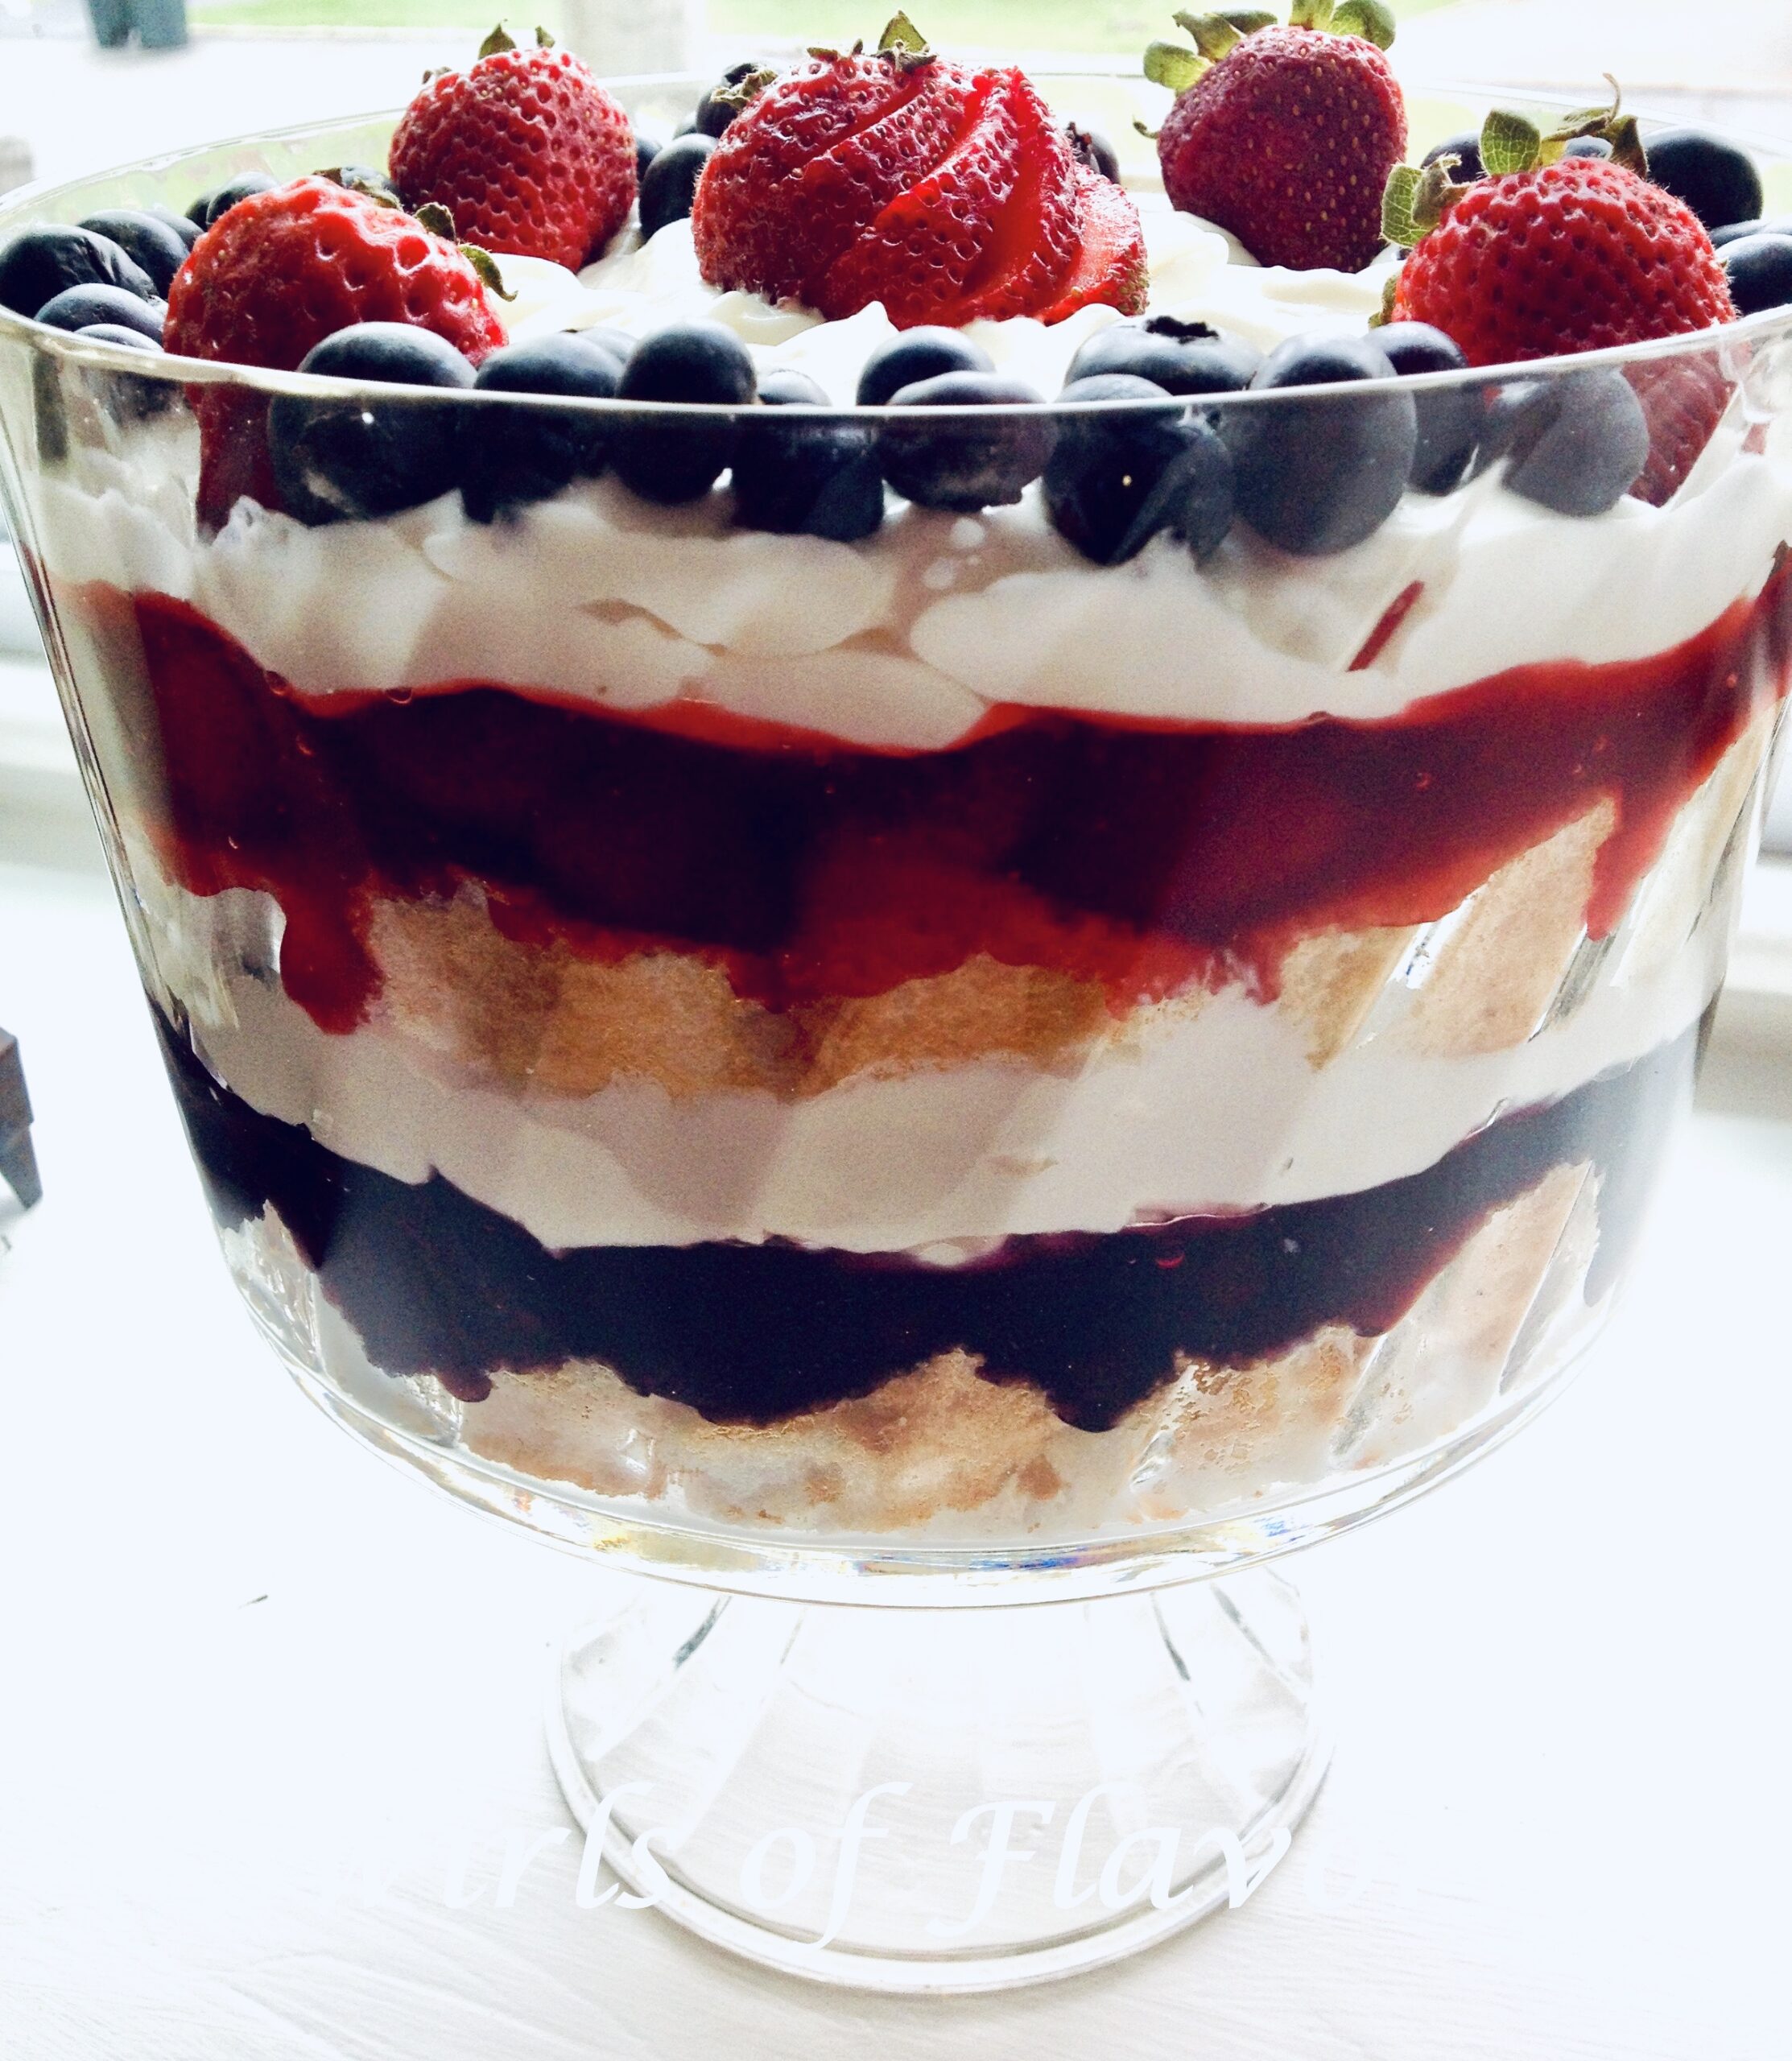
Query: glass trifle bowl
[[948, 1063]]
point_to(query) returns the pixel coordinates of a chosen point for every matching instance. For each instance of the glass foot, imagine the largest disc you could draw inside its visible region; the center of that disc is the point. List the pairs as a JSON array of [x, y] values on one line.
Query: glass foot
[[938, 1800]]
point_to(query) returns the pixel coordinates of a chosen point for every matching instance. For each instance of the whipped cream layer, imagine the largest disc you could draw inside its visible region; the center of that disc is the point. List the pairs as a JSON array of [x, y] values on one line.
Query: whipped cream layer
[[1198, 273], [1198, 1111], [904, 641]]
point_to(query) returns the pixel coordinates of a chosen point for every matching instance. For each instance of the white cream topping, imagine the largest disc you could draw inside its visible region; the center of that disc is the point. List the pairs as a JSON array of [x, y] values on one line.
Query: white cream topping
[[904, 640], [1198, 274], [1219, 1109]]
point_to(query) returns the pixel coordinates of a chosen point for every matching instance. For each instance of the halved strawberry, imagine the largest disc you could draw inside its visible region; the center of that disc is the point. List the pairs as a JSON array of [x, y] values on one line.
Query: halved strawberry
[[1110, 267], [750, 233], [1683, 400], [919, 252], [837, 196], [1039, 231], [945, 195]]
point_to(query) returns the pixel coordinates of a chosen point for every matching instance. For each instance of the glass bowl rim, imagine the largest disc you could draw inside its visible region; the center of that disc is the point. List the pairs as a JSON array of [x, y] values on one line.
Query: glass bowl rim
[[20, 209]]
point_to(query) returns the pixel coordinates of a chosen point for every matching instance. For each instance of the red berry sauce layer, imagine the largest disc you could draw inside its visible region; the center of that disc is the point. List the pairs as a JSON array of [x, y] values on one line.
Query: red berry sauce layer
[[1146, 858]]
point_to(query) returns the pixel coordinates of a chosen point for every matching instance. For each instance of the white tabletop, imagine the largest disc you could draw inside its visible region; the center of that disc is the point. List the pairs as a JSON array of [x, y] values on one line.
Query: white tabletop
[[263, 1696]]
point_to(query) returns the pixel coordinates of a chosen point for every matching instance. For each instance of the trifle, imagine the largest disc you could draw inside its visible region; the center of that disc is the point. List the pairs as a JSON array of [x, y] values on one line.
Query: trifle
[[880, 823]]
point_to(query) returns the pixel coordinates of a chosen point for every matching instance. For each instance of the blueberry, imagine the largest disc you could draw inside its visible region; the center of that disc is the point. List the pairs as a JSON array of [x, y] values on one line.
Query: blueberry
[[617, 343], [510, 456], [1574, 444], [209, 207], [785, 387], [155, 246], [1586, 146], [647, 148], [1094, 149], [39, 263], [820, 477], [116, 332], [1734, 232], [79, 307], [1715, 179], [671, 183], [1760, 268], [913, 355], [1449, 420], [184, 226], [1115, 479], [354, 457], [713, 115], [1181, 357], [124, 393], [1318, 476], [677, 459], [982, 461], [362, 178], [1466, 147]]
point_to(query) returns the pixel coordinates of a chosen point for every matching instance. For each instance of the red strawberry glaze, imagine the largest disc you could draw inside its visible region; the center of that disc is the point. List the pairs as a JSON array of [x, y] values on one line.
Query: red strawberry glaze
[[1145, 856]]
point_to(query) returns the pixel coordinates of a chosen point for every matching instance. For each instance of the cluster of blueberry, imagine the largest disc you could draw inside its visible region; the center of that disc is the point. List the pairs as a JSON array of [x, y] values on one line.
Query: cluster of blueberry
[[108, 277], [668, 173], [1317, 476], [1718, 180], [824, 475], [1313, 478]]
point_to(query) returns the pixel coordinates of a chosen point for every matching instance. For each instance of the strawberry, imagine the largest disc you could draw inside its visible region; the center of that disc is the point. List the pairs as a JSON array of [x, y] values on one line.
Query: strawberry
[[280, 271], [1285, 136], [526, 151], [814, 158], [946, 194], [1110, 267], [1553, 254], [1683, 400], [1574, 255]]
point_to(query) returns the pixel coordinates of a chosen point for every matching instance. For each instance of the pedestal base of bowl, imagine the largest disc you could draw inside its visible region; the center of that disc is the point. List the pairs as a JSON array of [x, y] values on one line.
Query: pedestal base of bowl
[[923, 1800]]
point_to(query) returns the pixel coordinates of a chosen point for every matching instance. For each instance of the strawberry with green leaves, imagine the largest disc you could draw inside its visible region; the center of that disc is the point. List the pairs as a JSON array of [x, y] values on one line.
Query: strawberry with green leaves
[[525, 149], [1551, 252], [1548, 253], [1285, 136], [284, 269]]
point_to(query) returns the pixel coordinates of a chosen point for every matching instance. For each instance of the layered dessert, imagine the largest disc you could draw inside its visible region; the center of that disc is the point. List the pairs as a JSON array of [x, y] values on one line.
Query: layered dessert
[[753, 917]]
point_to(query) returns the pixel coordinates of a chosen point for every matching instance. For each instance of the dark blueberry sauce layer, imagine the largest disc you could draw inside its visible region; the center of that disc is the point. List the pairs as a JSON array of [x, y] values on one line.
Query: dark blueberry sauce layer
[[436, 1283], [1143, 858]]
